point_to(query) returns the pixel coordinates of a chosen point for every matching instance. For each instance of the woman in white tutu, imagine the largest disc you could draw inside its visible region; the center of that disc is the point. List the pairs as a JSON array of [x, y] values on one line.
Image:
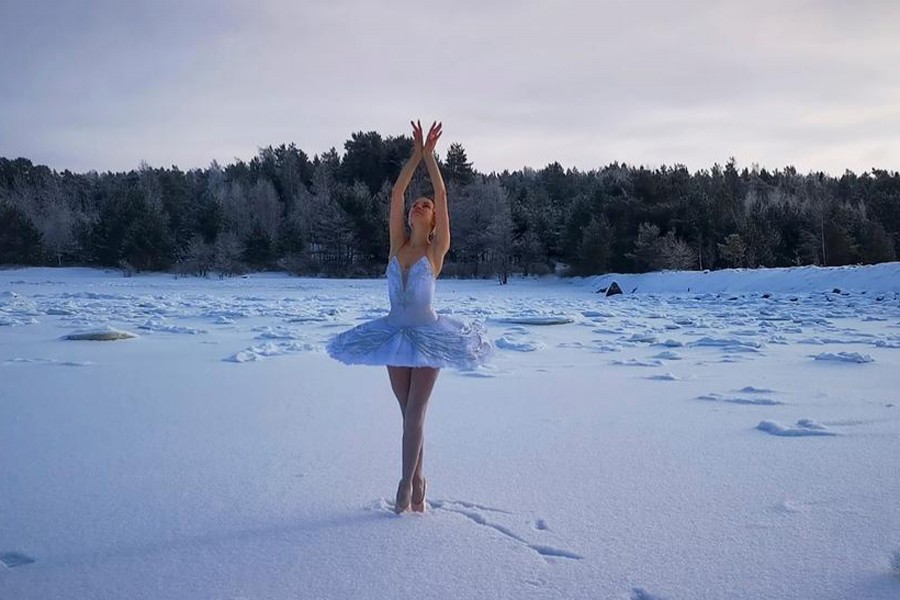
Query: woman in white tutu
[[412, 340]]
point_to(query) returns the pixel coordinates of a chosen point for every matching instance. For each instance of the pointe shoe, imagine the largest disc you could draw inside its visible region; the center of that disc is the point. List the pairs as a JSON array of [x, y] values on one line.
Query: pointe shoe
[[418, 504], [404, 492]]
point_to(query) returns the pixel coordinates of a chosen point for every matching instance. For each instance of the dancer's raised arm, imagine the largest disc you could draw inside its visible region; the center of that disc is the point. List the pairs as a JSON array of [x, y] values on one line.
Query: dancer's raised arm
[[398, 202], [441, 242]]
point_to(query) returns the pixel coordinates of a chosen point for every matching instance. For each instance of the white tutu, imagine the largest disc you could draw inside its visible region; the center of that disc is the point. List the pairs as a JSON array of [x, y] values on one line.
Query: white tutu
[[412, 335]]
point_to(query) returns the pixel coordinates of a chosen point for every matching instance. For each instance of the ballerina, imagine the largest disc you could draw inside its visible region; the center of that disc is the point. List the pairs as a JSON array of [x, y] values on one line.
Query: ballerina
[[412, 340]]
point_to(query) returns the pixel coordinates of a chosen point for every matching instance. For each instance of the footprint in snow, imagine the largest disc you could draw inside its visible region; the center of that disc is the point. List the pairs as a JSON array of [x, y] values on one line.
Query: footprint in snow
[[497, 519]]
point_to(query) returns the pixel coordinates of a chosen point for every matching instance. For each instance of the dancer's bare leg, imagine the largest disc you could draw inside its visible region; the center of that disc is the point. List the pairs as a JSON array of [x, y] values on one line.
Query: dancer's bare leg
[[400, 379], [420, 386]]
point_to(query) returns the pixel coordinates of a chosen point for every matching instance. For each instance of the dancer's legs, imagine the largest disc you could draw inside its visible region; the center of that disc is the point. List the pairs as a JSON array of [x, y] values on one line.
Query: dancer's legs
[[421, 384], [412, 387]]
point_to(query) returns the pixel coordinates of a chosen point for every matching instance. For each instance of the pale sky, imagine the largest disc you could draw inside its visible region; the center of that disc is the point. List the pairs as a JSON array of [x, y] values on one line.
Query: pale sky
[[105, 84]]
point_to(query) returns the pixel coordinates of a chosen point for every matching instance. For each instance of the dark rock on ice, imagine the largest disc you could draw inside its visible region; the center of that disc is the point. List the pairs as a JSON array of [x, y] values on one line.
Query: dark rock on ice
[[613, 289]]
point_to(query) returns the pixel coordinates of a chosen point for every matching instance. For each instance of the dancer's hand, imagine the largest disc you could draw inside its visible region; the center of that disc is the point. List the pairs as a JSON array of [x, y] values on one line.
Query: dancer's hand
[[418, 143], [433, 135]]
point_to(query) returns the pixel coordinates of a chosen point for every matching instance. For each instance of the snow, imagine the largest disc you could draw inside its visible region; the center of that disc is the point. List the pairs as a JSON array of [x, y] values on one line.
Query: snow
[[221, 454]]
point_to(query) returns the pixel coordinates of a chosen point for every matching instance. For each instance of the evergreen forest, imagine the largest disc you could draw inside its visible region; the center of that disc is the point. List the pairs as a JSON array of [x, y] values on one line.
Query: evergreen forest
[[327, 216]]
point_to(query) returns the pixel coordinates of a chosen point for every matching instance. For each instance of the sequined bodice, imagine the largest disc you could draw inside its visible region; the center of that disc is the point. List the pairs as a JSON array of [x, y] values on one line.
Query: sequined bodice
[[411, 292]]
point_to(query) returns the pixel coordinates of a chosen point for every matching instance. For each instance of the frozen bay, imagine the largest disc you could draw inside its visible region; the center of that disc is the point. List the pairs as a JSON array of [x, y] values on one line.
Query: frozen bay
[[737, 440]]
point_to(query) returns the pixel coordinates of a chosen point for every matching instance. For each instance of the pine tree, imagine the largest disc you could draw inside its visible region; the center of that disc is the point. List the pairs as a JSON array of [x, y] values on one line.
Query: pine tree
[[20, 241], [457, 166]]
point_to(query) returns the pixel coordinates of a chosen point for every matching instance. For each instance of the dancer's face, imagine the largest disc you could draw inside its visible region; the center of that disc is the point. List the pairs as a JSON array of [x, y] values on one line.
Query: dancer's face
[[422, 213]]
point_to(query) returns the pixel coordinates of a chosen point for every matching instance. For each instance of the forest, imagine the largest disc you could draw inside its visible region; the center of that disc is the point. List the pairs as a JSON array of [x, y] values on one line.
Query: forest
[[327, 216]]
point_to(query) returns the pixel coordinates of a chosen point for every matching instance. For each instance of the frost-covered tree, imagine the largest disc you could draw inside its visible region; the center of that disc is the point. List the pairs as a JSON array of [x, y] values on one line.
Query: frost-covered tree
[[733, 253], [646, 248], [675, 253]]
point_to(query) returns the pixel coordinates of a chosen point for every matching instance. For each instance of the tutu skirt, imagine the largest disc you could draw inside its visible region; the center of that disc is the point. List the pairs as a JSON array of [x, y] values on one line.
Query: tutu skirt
[[412, 334], [445, 342]]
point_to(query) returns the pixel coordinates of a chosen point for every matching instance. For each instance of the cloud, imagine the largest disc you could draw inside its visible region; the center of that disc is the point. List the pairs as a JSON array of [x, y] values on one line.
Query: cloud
[[105, 85]]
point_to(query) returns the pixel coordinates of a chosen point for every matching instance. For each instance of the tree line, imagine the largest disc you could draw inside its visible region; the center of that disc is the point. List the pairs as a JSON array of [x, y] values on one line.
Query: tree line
[[328, 215]]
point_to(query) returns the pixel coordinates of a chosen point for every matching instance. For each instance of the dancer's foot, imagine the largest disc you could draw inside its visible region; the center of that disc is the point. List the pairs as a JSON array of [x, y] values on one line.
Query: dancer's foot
[[417, 498], [404, 492]]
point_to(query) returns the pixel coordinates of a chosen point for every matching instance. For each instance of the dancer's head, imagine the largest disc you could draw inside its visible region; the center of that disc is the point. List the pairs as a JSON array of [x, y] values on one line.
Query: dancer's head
[[421, 214]]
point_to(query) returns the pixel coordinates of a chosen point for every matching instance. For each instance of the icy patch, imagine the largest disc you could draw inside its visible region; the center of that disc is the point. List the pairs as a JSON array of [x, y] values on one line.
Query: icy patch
[[895, 563], [276, 333], [647, 336], [852, 357], [670, 343], [804, 427], [104, 334], [887, 344], [820, 341], [578, 345], [642, 594], [257, 353], [787, 506], [634, 362], [605, 330], [13, 322], [601, 346], [535, 320], [593, 314], [668, 355], [664, 377], [518, 339], [157, 325], [482, 371], [755, 390], [47, 361], [729, 343], [14, 559], [714, 397]]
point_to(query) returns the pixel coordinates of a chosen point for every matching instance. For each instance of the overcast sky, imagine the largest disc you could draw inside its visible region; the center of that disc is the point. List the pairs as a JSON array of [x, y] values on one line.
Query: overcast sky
[[106, 84]]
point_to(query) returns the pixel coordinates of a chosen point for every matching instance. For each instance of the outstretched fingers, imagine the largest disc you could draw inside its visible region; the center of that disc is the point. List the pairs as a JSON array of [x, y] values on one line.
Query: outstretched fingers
[[434, 134], [417, 135]]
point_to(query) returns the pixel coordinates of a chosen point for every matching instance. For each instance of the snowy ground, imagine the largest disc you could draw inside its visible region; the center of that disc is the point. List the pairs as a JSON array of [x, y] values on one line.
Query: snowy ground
[[668, 445]]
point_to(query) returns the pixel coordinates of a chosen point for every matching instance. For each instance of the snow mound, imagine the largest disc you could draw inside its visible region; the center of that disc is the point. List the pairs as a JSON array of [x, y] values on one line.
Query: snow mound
[[103, 334], [853, 357], [804, 427]]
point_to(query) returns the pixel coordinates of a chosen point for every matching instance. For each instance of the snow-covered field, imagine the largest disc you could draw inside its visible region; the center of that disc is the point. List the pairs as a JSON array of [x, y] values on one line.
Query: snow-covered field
[[738, 440]]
